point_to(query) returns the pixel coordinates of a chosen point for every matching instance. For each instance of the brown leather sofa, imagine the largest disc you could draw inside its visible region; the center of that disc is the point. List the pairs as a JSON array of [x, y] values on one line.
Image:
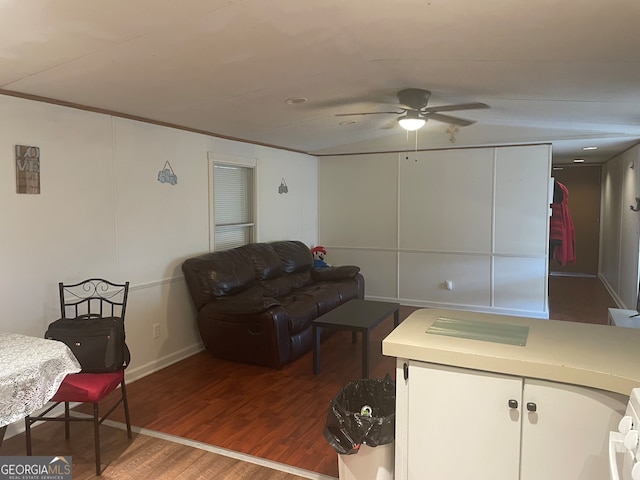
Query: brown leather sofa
[[256, 303]]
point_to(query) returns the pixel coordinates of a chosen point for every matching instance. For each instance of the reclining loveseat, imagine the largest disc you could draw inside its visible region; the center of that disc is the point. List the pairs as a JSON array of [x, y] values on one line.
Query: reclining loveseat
[[256, 303]]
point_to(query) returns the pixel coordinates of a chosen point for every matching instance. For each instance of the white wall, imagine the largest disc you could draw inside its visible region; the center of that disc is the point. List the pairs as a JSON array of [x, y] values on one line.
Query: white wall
[[478, 217], [292, 215], [620, 227], [101, 212], [357, 217]]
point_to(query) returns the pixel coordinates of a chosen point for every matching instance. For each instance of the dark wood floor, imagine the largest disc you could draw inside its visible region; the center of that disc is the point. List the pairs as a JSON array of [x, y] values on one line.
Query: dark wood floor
[[280, 414], [579, 299]]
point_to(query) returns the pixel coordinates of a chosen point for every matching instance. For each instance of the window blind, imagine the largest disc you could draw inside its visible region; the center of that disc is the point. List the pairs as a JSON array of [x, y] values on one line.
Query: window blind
[[233, 201]]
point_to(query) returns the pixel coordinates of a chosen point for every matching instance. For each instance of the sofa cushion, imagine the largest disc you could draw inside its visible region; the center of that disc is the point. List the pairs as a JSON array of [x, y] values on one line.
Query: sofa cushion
[[294, 255], [301, 313], [266, 261], [277, 287], [299, 280], [347, 288], [248, 301], [325, 296], [217, 274]]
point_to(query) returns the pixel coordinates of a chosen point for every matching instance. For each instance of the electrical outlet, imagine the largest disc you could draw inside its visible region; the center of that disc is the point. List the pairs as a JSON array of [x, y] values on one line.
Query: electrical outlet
[[156, 330]]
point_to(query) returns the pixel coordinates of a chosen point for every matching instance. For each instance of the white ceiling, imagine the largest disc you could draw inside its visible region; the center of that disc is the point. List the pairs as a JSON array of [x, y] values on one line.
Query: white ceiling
[[559, 71]]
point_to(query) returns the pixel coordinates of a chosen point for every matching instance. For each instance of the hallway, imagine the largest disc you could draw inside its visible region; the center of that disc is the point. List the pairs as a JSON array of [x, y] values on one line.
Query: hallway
[[579, 299]]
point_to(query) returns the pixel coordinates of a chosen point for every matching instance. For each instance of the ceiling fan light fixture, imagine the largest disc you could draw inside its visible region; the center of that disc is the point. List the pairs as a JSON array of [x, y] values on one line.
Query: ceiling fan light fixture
[[411, 121]]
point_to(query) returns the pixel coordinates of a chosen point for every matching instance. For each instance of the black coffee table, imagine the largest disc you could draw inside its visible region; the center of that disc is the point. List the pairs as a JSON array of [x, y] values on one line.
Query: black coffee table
[[357, 316]]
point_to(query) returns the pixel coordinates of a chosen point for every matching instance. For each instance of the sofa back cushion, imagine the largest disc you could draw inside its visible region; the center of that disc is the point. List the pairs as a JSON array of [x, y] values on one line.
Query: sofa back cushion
[[276, 288], [217, 274], [268, 269], [295, 256], [266, 261]]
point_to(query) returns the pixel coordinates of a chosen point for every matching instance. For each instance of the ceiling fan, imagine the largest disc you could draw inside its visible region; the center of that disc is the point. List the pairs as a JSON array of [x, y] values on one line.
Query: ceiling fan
[[413, 102]]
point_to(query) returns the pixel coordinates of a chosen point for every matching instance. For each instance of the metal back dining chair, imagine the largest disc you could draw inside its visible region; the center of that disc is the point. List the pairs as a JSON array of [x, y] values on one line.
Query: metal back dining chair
[[91, 298]]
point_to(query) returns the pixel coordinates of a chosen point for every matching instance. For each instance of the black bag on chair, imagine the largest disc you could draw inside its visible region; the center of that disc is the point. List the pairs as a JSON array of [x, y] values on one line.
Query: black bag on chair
[[98, 343]]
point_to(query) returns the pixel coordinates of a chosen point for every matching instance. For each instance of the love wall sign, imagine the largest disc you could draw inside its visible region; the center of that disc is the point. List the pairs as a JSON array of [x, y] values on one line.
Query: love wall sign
[[27, 169]]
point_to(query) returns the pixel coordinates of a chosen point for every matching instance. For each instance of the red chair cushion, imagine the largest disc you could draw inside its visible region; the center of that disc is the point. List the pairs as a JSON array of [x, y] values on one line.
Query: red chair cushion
[[87, 387]]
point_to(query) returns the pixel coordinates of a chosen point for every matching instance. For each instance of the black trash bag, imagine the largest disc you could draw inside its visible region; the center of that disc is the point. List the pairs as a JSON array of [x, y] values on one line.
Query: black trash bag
[[363, 412]]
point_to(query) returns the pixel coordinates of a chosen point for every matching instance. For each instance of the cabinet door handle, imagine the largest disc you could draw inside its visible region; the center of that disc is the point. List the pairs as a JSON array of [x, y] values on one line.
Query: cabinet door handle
[[513, 403], [532, 407]]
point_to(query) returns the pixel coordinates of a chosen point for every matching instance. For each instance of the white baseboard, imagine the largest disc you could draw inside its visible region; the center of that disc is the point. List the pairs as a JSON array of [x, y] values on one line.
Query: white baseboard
[[612, 292], [141, 371]]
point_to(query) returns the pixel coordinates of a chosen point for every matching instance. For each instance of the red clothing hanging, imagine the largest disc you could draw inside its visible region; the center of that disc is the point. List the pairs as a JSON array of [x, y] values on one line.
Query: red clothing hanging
[[562, 233]]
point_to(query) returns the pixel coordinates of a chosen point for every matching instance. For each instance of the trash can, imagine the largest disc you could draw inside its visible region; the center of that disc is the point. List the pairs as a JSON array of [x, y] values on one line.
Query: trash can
[[360, 427]]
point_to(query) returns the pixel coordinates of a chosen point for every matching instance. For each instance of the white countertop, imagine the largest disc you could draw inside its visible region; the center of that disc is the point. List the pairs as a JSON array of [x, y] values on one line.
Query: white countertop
[[598, 356]]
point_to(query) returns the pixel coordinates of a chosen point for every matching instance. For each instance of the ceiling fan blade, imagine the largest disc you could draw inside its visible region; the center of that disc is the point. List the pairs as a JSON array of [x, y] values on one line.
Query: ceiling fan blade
[[364, 113], [377, 97], [451, 108], [449, 119], [390, 124]]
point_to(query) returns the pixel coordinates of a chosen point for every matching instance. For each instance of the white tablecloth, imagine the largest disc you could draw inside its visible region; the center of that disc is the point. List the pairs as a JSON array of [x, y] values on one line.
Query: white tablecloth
[[31, 370]]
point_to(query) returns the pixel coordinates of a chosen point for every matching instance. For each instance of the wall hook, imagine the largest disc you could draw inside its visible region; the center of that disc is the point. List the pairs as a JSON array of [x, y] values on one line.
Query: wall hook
[[166, 175], [452, 130], [637, 207], [283, 187]]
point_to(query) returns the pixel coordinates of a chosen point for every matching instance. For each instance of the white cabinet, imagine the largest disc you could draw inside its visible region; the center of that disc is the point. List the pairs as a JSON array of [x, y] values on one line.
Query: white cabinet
[[459, 425], [454, 423], [569, 431], [619, 317]]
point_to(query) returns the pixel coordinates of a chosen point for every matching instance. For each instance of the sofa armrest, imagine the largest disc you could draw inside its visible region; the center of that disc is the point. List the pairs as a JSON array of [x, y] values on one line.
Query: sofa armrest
[[334, 273]]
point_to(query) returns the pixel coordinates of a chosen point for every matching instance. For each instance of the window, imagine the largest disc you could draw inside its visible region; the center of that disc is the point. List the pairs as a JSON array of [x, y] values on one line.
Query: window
[[234, 222]]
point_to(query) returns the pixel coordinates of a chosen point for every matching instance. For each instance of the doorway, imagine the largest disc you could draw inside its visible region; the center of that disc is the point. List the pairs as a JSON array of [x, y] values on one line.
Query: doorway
[[583, 184]]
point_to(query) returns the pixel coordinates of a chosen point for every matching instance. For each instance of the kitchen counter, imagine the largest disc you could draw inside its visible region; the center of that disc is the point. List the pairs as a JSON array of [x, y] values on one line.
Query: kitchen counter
[[598, 356]]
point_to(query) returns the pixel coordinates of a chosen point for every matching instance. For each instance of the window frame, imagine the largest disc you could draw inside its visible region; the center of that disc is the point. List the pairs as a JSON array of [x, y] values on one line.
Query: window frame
[[232, 161]]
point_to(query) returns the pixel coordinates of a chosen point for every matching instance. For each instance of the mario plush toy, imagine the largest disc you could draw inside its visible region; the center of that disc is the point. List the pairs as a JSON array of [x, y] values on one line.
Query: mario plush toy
[[319, 252]]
